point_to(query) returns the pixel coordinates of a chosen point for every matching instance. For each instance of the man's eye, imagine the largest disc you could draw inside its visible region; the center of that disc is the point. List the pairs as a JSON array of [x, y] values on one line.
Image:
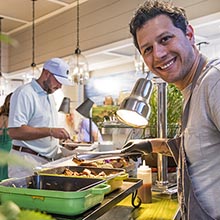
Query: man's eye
[[147, 50], [165, 39]]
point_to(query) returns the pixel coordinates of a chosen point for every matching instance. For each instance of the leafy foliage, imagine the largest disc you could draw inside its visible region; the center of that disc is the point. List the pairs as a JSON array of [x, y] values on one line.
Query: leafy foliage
[[6, 39], [174, 110], [101, 113], [10, 211], [33, 215]]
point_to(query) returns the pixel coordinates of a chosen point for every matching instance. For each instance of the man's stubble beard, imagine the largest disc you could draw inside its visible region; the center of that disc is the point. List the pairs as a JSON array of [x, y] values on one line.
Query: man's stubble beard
[[46, 84]]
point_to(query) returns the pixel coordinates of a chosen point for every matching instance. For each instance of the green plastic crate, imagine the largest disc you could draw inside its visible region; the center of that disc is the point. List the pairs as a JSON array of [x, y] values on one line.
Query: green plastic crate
[[58, 195]]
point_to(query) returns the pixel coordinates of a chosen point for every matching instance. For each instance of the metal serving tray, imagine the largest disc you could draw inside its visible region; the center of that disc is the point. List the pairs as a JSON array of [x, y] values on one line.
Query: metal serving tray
[[114, 176], [58, 195]]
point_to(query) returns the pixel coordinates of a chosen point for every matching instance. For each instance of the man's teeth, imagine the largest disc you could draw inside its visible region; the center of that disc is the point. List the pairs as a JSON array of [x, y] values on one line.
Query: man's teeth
[[167, 65]]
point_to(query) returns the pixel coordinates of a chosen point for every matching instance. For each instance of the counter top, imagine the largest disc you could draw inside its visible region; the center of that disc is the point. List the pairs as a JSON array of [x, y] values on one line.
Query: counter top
[[161, 208]]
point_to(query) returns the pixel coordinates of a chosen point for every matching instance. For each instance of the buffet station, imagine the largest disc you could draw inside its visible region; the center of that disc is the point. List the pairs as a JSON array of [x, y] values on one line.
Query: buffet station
[[73, 188], [83, 185], [88, 182]]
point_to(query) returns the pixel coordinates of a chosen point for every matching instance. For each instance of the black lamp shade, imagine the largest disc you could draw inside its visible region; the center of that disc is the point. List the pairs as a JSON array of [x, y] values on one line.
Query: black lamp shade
[[84, 108], [65, 106]]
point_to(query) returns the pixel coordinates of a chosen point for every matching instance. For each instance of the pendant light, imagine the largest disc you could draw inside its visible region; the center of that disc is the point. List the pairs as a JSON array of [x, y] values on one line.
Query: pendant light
[[79, 69], [34, 71], [2, 79]]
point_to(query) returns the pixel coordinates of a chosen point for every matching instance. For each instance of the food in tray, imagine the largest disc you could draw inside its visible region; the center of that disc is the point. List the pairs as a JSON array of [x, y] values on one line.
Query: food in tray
[[74, 143], [114, 176], [108, 163], [85, 173]]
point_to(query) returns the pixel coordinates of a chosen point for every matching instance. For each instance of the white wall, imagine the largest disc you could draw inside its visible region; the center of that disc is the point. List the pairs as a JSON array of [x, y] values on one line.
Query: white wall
[[212, 50]]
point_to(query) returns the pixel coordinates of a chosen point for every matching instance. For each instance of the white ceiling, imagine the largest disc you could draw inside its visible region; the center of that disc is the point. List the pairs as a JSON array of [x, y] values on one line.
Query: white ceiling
[[17, 14]]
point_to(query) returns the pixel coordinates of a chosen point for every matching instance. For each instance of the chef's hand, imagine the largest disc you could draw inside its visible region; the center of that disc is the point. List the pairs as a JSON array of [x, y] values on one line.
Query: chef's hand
[[60, 133], [141, 145]]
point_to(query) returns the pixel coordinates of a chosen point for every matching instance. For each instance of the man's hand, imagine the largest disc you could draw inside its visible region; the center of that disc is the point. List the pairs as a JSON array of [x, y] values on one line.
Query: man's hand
[[60, 133], [140, 145]]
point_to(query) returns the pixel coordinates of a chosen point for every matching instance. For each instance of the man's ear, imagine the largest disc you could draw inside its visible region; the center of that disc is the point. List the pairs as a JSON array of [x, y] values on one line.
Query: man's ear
[[46, 73], [190, 34]]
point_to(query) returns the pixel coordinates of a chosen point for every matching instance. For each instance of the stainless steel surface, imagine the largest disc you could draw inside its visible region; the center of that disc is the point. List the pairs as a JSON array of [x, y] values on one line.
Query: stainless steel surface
[[177, 216], [135, 109], [105, 154], [162, 161], [107, 130]]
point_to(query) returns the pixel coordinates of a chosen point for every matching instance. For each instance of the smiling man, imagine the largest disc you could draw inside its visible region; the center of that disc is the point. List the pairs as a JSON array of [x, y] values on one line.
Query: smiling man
[[168, 51], [33, 117], [165, 39]]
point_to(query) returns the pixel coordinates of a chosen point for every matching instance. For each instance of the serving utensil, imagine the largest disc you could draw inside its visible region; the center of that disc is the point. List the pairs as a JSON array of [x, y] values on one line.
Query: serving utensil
[[106, 154]]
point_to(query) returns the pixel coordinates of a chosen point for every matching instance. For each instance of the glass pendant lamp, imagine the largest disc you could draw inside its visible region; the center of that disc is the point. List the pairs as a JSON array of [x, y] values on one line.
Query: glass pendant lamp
[[79, 68], [3, 81], [33, 71]]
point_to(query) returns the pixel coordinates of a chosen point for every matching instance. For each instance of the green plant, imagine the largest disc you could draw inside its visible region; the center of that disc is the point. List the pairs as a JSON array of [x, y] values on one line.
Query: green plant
[[10, 211], [174, 110], [5, 39], [102, 113]]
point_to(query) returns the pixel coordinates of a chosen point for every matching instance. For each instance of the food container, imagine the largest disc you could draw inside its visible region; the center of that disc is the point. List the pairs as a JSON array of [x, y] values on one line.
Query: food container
[[58, 195], [114, 177], [108, 162]]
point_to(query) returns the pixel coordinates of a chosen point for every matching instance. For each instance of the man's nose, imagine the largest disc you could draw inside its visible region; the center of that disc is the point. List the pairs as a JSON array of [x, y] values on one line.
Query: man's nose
[[160, 51]]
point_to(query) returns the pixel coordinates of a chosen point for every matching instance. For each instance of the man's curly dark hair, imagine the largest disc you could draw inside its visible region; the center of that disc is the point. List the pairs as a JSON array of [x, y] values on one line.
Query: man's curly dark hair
[[152, 8]]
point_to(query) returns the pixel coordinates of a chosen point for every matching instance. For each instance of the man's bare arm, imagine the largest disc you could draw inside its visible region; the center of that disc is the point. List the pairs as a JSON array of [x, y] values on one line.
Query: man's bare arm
[[31, 133]]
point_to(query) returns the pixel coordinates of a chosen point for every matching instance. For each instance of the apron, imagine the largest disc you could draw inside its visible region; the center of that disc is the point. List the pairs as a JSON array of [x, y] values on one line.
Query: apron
[[5, 145], [190, 206]]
